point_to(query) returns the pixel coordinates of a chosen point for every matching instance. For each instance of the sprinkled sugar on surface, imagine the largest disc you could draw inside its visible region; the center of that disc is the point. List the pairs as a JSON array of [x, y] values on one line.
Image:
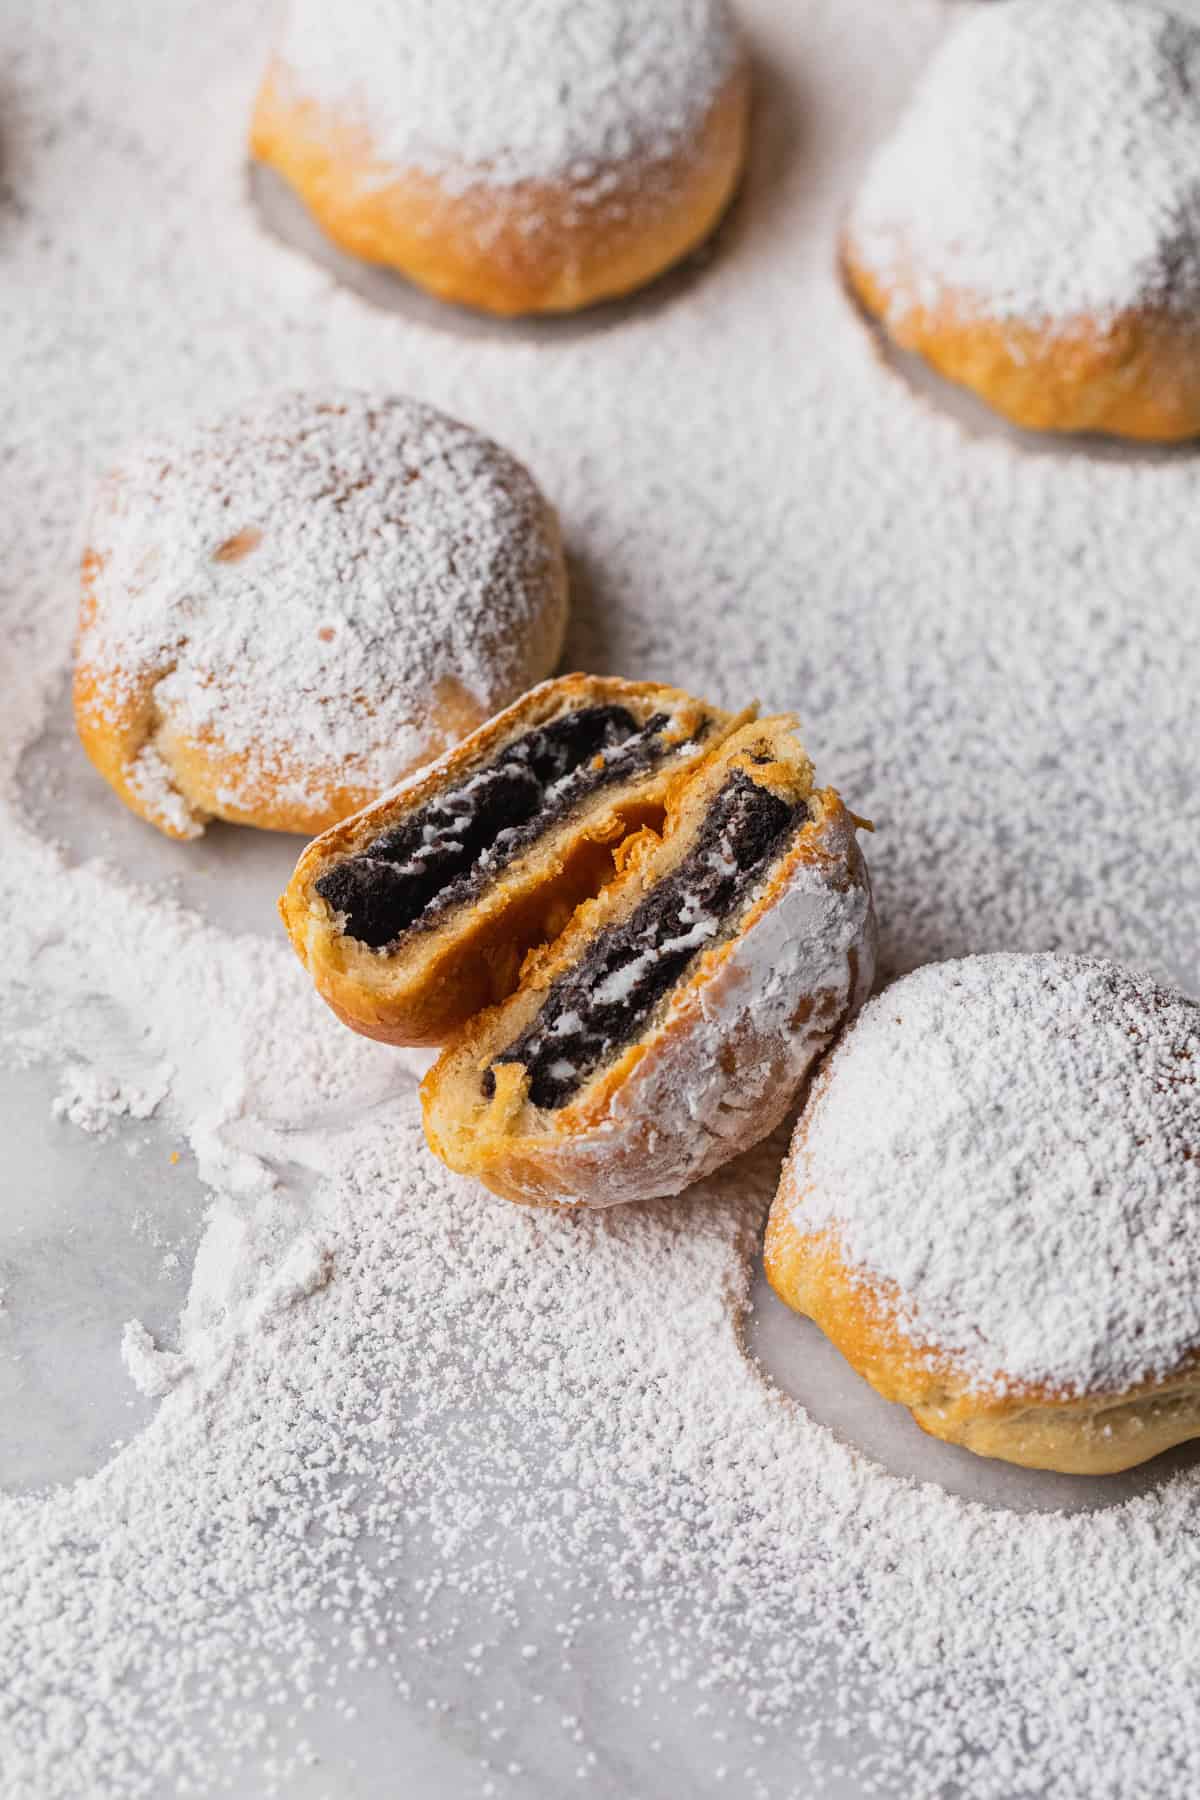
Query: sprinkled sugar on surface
[[1047, 167], [300, 581], [1015, 1143], [515, 90], [414, 1434]]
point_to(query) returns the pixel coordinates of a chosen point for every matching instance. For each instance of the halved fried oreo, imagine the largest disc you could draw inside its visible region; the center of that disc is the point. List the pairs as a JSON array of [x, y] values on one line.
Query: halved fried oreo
[[673, 1022], [418, 911]]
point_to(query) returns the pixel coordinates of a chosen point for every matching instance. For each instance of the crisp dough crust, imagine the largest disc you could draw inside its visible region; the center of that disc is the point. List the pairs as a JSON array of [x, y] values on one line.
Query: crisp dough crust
[[1136, 375], [437, 979], [532, 247], [719, 1067], [1028, 1424]]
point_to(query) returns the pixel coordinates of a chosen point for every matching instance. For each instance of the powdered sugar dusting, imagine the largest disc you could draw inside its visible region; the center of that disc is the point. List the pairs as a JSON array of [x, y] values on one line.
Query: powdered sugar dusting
[[93, 1100], [151, 781], [506, 91], [154, 1372], [423, 1430], [308, 581], [1014, 1141], [1047, 167]]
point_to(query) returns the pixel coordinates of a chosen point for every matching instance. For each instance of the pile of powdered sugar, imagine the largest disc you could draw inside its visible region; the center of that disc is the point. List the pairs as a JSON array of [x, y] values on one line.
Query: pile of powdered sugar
[[94, 1100], [1014, 1142], [506, 1486], [305, 581], [1046, 169], [507, 91]]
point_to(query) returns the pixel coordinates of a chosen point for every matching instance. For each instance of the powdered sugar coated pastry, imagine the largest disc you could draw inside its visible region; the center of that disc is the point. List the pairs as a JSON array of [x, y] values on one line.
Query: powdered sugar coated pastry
[[288, 612], [1033, 226], [991, 1204], [517, 155]]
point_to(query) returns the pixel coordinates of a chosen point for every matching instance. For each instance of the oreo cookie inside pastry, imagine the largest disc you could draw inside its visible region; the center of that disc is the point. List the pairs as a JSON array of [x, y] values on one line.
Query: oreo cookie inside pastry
[[673, 1022], [991, 1208], [417, 912]]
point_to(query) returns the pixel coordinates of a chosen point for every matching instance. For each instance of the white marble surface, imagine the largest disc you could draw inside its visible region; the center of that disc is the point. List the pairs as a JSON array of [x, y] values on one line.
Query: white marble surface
[[81, 1251]]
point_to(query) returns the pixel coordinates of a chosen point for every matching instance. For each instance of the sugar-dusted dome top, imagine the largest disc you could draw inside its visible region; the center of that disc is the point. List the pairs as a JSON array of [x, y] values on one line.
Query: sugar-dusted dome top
[[514, 90], [1048, 166], [1014, 1143]]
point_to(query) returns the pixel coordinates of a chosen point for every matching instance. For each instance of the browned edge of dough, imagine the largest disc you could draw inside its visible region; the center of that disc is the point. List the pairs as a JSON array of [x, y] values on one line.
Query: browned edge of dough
[[533, 247]]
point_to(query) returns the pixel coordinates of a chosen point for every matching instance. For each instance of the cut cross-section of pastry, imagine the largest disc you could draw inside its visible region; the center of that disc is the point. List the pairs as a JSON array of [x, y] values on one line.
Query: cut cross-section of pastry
[[418, 911], [674, 1021]]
